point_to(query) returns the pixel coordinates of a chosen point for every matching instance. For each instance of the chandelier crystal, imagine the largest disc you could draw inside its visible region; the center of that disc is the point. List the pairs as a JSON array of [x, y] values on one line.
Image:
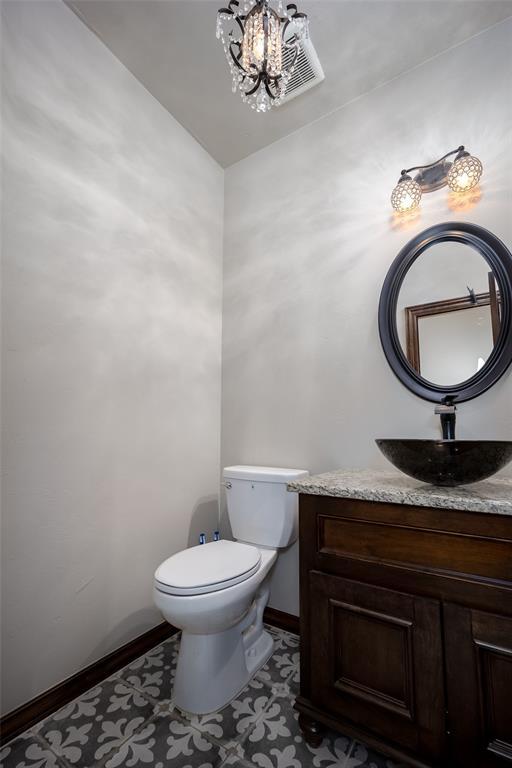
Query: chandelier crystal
[[261, 46]]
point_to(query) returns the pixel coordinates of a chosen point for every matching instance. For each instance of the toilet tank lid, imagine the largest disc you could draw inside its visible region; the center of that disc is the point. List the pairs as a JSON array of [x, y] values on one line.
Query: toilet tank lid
[[263, 474]]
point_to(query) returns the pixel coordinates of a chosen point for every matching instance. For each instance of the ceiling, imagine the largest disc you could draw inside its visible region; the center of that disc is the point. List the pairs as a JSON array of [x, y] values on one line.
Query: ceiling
[[170, 46]]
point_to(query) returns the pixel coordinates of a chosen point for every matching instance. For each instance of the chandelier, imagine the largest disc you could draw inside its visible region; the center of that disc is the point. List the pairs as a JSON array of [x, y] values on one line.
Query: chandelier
[[261, 47]]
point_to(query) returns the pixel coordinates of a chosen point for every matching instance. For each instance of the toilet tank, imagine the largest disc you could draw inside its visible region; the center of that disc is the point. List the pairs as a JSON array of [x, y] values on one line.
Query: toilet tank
[[261, 511]]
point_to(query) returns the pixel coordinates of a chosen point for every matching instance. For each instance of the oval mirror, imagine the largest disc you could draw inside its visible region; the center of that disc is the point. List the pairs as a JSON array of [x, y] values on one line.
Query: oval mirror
[[445, 309]]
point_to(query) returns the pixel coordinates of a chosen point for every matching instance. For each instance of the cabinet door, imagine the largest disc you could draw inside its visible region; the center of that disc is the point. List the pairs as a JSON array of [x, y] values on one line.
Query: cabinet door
[[479, 687], [376, 659]]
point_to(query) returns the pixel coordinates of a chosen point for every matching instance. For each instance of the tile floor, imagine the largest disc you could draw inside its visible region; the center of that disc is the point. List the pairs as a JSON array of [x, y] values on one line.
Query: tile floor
[[129, 720]]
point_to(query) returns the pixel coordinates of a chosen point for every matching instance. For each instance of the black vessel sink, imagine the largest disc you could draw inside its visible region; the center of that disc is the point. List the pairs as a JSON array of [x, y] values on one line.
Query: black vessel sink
[[447, 462]]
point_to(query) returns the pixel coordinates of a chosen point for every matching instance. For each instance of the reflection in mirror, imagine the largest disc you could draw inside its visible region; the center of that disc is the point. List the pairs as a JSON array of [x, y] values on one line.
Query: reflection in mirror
[[448, 313]]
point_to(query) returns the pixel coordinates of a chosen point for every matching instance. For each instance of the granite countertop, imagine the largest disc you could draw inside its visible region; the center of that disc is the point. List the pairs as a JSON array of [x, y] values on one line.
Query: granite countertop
[[490, 496]]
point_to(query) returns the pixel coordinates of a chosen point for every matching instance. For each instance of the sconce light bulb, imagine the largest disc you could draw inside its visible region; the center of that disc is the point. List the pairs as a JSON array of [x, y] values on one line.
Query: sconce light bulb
[[465, 173], [406, 195], [463, 180]]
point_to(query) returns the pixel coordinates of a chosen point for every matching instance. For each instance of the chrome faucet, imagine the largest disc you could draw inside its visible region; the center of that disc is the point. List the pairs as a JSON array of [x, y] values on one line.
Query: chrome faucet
[[447, 413]]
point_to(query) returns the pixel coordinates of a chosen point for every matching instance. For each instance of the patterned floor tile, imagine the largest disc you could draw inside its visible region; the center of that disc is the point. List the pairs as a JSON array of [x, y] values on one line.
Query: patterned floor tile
[[294, 683], [153, 674], [276, 742], [169, 742], [28, 752], [89, 728], [128, 722], [231, 724], [232, 761], [362, 756], [284, 660], [284, 639]]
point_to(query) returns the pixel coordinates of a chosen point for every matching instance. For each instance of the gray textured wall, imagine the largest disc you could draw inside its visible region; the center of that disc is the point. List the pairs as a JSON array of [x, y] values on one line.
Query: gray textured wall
[[112, 270]]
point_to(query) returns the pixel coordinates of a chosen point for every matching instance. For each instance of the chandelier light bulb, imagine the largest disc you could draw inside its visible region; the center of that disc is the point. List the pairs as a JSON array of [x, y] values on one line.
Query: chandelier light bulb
[[406, 195], [465, 173], [258, 47], [261, 43]]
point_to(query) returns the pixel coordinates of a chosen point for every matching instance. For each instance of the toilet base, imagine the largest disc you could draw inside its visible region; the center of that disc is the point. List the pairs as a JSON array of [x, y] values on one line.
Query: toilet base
[[213, 669]]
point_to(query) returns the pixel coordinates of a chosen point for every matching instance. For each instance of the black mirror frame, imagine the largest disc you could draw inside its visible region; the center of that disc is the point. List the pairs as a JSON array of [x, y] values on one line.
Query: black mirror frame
[[500, 259]]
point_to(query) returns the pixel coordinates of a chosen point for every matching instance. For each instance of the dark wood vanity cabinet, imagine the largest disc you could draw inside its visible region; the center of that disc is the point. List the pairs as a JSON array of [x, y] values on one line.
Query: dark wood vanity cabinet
[[406, 630]]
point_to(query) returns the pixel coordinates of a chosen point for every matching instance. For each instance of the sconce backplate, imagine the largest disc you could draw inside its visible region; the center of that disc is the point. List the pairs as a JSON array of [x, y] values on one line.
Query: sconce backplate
[[434, 177]]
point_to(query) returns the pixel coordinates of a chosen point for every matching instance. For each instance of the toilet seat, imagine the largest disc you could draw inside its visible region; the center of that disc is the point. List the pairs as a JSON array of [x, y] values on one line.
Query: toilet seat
[[207, 568]]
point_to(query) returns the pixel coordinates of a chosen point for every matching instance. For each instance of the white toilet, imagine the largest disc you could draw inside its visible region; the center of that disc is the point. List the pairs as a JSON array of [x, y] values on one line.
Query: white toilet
[[216, 592]]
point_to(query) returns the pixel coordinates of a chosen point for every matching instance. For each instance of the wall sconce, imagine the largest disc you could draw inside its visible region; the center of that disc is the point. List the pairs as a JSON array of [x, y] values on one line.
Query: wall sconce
[[460, 175]]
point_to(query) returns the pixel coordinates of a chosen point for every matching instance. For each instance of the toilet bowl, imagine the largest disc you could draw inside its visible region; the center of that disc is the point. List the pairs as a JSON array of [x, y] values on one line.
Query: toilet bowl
[[216, 593], [223, 642]]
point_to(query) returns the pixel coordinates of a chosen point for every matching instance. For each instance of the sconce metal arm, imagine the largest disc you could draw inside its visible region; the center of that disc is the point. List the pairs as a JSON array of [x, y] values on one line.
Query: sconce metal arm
[[431, 165]]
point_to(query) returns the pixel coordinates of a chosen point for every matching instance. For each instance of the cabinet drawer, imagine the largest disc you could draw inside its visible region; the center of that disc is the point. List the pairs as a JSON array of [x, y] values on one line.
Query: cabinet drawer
[[411, 545]]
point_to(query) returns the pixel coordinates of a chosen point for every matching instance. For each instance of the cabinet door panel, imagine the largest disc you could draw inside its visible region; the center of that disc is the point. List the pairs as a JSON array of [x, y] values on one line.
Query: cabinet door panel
[[479, 677], [377, 660]]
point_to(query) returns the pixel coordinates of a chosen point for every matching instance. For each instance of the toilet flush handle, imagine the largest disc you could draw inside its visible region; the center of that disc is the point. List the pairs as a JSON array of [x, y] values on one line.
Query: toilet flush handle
[[226, 484]]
